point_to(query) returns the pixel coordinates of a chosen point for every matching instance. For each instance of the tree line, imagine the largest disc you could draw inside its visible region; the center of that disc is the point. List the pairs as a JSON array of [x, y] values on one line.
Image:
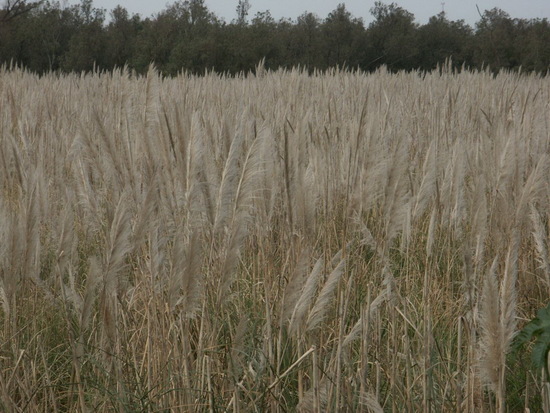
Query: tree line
[[45, 36]]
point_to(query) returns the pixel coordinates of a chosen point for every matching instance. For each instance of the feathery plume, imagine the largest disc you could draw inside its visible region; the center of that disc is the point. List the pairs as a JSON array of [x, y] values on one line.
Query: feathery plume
[[368, 314], [320, 308], [229, 183], [490, 339], [540, 237], [308, 292], [295, 284]]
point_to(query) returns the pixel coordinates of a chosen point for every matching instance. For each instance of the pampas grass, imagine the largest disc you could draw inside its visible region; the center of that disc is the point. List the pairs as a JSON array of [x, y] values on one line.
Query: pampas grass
[[279, 242]]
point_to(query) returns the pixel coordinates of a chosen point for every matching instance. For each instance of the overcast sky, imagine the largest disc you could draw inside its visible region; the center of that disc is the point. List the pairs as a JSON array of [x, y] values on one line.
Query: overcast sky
[[422, 9]]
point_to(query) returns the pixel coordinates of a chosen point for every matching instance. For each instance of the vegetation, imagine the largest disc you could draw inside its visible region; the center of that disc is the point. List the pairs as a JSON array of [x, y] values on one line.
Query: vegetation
[[186, 36], [338, 241]]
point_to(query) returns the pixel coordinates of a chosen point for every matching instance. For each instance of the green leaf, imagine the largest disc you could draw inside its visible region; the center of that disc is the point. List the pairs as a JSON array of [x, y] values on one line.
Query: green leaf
[[539, 329]]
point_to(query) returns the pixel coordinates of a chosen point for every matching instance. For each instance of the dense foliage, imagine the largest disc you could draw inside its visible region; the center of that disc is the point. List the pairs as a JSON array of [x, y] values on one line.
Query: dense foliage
[[186, 36]]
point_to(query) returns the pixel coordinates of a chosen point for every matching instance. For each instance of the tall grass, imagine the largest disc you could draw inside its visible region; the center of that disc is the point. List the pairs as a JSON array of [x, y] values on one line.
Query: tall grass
[[333, 242]]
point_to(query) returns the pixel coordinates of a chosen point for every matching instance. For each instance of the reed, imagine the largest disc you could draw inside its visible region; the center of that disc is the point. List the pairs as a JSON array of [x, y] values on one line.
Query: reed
[[339, 241]]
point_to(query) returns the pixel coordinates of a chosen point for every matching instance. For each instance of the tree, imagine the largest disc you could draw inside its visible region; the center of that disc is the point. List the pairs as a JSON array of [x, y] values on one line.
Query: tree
[[48, 35], [14, 8], [263, 40], [441, 39], [37, 39], [86, 48], [305, 42], [343, 38], [533, 45], [495, 36], [193, 44], [155, 42], [48, 30], [392, 38], [121, 36], [242, 11]]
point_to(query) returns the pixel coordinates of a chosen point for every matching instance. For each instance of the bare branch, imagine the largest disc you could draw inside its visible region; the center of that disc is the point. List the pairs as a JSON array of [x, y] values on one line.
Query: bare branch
[[14, 8]]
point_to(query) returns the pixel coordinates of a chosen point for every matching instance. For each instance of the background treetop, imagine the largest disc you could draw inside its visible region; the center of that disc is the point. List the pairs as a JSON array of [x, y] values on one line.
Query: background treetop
[[186, 36]]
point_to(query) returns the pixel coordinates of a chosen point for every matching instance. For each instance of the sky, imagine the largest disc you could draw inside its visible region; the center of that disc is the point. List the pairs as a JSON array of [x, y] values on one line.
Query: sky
[[422, 9]]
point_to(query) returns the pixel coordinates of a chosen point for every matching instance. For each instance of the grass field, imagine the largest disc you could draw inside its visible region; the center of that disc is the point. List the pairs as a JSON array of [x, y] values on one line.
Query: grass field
[[279, 242]]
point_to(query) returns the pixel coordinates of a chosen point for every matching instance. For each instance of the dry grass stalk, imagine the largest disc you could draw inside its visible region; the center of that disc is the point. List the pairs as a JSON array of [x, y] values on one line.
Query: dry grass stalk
[[143, 218], [498, 323]]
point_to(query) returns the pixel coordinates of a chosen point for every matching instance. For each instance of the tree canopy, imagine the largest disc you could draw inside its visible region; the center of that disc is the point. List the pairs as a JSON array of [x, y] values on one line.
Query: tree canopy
[[186, 36]]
